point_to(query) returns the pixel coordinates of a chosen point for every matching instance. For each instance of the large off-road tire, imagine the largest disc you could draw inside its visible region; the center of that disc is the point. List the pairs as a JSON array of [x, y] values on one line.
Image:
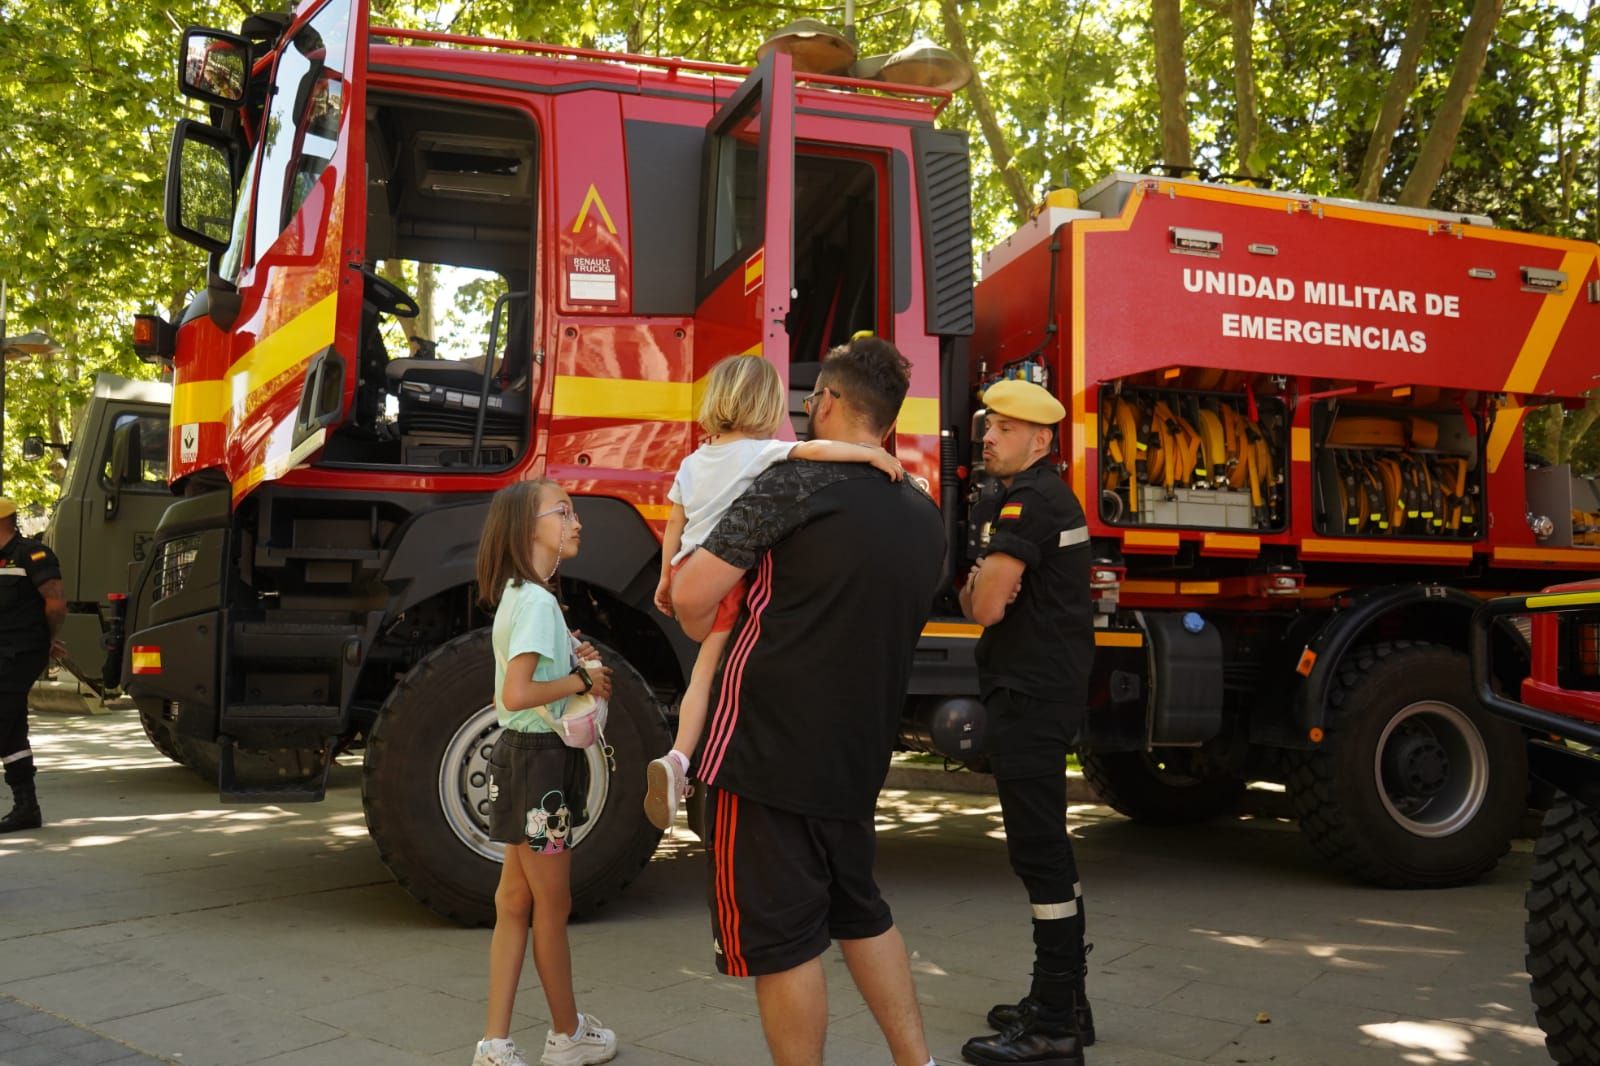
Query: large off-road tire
[[1173, 786], [425, 785], [1414, 785], [157, 730], [1563, 931]]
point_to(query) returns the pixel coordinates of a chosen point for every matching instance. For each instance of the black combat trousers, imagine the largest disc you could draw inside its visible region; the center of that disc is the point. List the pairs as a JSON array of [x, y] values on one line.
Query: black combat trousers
[[1028, 744], [15, 754]]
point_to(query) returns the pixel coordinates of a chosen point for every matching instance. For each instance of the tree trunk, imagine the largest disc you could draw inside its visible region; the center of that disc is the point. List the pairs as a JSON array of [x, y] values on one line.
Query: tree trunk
[[427, 279], [1172, 82], [999, 149], [1401, 82], [1434, 154], [1244, 83]]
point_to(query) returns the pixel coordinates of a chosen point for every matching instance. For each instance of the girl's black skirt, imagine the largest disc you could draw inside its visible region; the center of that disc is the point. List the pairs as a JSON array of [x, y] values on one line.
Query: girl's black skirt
[[538, 791]]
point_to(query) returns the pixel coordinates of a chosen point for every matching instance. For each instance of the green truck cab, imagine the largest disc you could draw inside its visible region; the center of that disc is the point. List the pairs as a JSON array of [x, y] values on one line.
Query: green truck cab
[[112, 495]]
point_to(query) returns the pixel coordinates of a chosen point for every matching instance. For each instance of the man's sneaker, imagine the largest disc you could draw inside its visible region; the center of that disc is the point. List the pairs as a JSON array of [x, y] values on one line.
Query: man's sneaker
[[498, 1053], [1003, 1016], [666, 791], [594, 1043]]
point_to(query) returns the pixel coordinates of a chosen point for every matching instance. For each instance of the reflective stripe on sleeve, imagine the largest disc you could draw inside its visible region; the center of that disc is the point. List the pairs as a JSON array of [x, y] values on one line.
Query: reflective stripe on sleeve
[[17, 756], [13, 571], [1046, 911], [1072, 537]]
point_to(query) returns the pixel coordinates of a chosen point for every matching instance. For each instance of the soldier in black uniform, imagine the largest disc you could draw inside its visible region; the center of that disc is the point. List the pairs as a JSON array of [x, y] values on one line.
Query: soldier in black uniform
[[1030, 591], [31, 611]]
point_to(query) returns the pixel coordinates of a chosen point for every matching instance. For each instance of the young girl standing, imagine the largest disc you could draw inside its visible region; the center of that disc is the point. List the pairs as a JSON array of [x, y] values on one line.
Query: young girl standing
[[743, 407], [538, 786]]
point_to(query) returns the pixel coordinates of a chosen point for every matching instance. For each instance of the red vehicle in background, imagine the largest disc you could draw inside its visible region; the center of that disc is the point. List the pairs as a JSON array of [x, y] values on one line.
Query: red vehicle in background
[[1560, 701]]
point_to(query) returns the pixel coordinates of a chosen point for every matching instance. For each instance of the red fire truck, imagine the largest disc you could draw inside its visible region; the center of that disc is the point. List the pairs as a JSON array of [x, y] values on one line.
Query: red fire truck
[[1559, 701], [1293, 424]]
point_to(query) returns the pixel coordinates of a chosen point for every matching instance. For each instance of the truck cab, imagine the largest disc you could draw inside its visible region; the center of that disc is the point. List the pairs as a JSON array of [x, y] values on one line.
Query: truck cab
[[597, 230], [113, 493]]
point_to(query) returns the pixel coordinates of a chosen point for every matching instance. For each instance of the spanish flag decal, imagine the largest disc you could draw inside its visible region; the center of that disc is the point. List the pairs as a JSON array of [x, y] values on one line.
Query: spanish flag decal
[[1011, 510], [146, 658], [36, 556]]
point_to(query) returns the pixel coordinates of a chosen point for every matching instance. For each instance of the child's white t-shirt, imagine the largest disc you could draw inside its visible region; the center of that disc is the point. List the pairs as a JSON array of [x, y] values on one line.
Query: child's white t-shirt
[[713, 476]]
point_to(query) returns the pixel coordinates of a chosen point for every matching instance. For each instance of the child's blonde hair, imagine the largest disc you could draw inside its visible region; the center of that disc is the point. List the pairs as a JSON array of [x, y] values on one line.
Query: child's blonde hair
[[743, 395]]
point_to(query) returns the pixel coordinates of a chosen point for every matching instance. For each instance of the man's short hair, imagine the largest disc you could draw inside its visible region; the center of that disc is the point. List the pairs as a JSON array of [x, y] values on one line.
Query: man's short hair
[[871, 376]]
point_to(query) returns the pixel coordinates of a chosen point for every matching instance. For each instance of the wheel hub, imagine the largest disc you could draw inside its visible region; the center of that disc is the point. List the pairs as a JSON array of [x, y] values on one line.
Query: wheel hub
[[464, 784], [1419, 764], [1431, 769]]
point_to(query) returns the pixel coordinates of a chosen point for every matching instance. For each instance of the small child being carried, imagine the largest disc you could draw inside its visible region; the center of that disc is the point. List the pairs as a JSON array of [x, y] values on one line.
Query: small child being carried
[[743, 407]]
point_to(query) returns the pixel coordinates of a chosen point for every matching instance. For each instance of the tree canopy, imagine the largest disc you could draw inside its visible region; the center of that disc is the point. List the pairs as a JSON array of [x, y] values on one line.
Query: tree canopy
[[1459, 104]]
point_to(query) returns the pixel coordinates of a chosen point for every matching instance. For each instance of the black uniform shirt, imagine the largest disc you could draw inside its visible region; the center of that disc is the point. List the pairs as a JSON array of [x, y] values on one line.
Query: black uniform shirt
[[25, 564], [844, 565], [1044, 646]]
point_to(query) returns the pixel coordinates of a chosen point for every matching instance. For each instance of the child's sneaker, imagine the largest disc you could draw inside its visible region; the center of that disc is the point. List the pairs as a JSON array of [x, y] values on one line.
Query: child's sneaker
[[594, 1043], [668, 786], [498, 1053]]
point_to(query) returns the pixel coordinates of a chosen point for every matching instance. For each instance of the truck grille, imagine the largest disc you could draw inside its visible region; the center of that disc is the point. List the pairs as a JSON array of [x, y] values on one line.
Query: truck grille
[[172, 569]]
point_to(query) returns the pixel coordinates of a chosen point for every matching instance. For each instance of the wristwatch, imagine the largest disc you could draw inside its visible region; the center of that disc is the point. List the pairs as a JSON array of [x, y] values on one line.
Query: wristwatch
[[583, 675]]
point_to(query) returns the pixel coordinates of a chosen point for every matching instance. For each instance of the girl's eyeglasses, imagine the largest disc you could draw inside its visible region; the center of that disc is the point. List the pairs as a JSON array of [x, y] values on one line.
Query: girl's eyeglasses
[[563, 509]]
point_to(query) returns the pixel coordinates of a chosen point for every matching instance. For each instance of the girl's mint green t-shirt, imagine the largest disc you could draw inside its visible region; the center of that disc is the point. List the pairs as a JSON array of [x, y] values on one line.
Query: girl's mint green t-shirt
[[529, 620]]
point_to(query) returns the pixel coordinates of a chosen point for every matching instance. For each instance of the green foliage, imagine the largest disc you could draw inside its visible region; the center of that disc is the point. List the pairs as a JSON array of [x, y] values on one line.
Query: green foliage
[[88, 98]]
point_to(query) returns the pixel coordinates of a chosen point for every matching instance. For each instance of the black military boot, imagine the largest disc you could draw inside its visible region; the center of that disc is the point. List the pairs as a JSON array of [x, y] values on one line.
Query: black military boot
[[1004, 1015], [1034, 1039], [25, 813]]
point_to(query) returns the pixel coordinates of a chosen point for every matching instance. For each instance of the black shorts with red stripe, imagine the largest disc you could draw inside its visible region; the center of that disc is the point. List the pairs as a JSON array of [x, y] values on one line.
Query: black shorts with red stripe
[[784, 885]]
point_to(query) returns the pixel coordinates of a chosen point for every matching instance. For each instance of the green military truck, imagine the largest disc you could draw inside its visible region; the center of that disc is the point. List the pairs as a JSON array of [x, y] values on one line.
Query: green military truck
[[113, 494]]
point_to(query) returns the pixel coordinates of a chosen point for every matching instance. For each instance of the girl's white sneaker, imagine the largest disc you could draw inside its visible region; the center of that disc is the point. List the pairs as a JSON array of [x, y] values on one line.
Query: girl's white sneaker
[[593, 1043], [498, 1053]]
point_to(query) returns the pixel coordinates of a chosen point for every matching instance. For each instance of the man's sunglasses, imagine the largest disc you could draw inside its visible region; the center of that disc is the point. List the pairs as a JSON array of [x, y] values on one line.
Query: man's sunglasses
[[806, 403]]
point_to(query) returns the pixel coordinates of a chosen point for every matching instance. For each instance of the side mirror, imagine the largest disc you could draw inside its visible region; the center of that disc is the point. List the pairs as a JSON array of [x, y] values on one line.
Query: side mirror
[[200, 192], [33, 448], [125, 459], [214, 67]]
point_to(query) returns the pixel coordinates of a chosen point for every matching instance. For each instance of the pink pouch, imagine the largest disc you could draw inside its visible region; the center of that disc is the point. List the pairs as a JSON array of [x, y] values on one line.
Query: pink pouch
[[583, 723]]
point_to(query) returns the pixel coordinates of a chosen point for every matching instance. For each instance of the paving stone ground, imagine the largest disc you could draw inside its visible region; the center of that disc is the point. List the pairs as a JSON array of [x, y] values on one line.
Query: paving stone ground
[[30, 1037], [150, 916]]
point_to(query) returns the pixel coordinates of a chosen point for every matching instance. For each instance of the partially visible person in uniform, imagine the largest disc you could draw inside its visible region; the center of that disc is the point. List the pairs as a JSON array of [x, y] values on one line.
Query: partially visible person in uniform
[[844, 568], [32, 608], [1030, 592]]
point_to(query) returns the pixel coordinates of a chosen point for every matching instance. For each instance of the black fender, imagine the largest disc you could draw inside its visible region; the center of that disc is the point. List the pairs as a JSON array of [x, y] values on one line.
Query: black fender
[[1439, 614], [437, 551]]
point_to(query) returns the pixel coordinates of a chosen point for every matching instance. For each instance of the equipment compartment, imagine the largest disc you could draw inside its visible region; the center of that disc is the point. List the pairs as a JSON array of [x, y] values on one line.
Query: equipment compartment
[[1564, 507], [1386, 470], [1194, 458]]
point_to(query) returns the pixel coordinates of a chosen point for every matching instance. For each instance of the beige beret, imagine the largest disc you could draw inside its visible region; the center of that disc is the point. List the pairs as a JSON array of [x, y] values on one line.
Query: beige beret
[[1024, 401], [7, 507]]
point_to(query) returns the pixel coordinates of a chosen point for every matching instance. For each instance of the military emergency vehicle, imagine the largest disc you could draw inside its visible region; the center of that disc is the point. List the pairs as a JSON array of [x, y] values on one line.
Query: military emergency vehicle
[[1293, 422], [1560, 701]]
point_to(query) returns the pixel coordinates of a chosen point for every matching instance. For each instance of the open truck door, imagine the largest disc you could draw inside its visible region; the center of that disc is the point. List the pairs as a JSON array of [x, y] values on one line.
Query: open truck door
[[285, 368], [747, 222]]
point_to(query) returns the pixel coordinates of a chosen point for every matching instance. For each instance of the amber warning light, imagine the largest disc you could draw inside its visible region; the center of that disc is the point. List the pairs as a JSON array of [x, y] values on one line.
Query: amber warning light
[[154, 339]]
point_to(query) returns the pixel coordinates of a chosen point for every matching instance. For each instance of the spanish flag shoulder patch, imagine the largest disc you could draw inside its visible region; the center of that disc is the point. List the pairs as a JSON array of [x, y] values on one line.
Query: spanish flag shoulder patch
[[36, 556], [1011, 510]]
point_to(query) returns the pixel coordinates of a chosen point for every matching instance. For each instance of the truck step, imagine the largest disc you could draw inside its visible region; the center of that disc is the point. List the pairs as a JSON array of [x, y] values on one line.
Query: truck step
[[310, 788], [291, 640]]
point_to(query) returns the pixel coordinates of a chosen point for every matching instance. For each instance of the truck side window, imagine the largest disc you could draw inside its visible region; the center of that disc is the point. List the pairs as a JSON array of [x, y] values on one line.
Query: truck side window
[[733, 193], [303, 120], [149, 468]]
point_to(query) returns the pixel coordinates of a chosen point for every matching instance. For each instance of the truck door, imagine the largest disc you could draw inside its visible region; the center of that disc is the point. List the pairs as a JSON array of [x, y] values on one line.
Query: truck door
[[295, 359], [747, 222]]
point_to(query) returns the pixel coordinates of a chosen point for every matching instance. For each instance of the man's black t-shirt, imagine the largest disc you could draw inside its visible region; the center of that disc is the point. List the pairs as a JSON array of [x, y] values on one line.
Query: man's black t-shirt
[[1044, 646], [25, 564], [844, 565]]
